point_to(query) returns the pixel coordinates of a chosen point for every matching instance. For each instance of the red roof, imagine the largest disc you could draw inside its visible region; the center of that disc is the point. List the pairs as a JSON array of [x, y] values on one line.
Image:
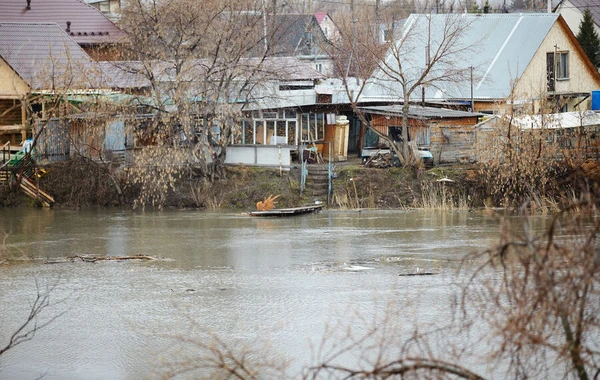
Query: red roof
[[87, 24], [320, 16]]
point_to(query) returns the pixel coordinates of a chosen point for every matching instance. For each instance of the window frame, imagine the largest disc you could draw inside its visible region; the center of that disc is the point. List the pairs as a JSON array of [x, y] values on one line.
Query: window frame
[[562, 67]]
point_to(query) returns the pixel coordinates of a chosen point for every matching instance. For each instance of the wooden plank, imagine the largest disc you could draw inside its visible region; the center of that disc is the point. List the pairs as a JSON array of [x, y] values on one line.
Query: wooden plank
[[288, 211], [34, 188], [33, 195]]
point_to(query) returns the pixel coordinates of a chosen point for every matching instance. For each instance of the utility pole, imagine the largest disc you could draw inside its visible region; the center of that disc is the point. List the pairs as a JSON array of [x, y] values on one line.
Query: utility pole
[[352, 53], [472, 105], [356, 74], [264, 14], [377, 15]]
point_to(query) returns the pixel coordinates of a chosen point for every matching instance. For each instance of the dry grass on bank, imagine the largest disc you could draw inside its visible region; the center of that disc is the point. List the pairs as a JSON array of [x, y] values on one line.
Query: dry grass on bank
[[404, 188], [81, 183]]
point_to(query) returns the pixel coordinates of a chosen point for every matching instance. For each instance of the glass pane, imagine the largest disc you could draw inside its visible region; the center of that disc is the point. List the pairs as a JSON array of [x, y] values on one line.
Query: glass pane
[[259, 132], [281, 127], [320, 126], [270, 131], [290, 114], [248, 133], [305, 127], [313, 127], [292, 133]]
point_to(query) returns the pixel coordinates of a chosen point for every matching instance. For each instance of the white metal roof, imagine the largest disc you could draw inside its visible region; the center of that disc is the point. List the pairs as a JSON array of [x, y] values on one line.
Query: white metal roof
[[498, 46], [558, 120]]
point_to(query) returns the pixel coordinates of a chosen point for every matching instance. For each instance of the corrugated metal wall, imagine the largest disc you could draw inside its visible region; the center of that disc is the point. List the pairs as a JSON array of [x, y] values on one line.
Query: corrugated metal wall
[[53, 140]]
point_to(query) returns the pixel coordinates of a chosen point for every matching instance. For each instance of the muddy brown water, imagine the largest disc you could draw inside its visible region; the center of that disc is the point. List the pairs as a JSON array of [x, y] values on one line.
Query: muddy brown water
[[279, 283]]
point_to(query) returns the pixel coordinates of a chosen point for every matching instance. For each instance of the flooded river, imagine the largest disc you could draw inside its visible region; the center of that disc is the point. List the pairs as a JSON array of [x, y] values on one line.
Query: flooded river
[[272, 285]]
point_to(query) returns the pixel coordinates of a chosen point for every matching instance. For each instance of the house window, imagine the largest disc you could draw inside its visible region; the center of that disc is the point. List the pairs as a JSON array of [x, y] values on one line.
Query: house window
[[550, 69], [562, 64], [269, 115], [387, 35], [296, 87], [104, 7], [271, 128], [319, 67], [290, 114], [395, 133], [313, 126]]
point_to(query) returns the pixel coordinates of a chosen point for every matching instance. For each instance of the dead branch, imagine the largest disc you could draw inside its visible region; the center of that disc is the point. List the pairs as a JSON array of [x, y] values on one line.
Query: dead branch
[[94, 258], [403, 367], [27, 330]]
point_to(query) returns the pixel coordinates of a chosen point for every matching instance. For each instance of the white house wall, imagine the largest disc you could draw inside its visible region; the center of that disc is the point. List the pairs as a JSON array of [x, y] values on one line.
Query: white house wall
[[573, 17], [259, 155]]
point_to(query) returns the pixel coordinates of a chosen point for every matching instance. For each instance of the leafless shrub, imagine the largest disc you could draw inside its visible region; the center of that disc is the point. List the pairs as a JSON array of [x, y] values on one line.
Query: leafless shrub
[[203, 354], [517, 164], [543, 304]]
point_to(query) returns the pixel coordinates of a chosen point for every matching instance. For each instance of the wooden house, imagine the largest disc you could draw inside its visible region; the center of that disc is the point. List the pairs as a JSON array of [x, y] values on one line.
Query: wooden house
[[526, 63], [448, 134], [328, 26], [302, 36], [37, 61]]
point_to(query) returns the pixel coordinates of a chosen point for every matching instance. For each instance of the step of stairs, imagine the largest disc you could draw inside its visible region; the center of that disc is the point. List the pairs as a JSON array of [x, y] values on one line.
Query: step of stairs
[[5, 176], [317, 182]]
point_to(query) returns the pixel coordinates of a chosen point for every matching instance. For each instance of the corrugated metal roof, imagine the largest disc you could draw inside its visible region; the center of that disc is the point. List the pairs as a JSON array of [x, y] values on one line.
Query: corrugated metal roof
[[498, 46], [123, 74], [88, 24], [130, 74], [421, 112], [45, 56]]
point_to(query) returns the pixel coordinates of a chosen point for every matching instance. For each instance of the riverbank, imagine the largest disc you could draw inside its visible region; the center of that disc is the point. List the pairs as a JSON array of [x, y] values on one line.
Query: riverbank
[[78, 183]]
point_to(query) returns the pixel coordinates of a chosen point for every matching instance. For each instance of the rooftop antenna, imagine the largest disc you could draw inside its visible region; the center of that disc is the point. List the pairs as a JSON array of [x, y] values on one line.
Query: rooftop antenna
[[28, 7]]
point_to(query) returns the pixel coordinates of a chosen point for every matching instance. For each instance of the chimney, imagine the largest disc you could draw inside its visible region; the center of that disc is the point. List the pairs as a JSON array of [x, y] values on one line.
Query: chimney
[[28, 7], [68, 27]]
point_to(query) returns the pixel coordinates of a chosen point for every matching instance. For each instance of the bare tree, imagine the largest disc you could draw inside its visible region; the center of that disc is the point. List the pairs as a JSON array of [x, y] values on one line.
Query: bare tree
[[422, 52], [202, 61], [356, 55]]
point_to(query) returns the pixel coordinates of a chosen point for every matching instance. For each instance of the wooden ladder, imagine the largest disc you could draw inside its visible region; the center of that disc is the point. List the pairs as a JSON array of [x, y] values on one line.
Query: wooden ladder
[[25, 168], [35, 192]]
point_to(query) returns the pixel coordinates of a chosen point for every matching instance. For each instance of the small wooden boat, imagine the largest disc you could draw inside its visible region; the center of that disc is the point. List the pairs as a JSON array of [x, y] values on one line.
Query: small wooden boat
[[288, 211]]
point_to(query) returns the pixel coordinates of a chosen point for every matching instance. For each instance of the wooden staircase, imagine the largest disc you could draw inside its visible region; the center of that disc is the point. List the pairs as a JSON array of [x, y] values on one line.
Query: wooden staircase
[[5, 174], [317, 183], [25, 170]]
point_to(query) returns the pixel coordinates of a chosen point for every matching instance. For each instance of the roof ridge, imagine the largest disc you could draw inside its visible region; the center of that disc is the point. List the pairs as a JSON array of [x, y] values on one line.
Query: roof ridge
[[29, 23]]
